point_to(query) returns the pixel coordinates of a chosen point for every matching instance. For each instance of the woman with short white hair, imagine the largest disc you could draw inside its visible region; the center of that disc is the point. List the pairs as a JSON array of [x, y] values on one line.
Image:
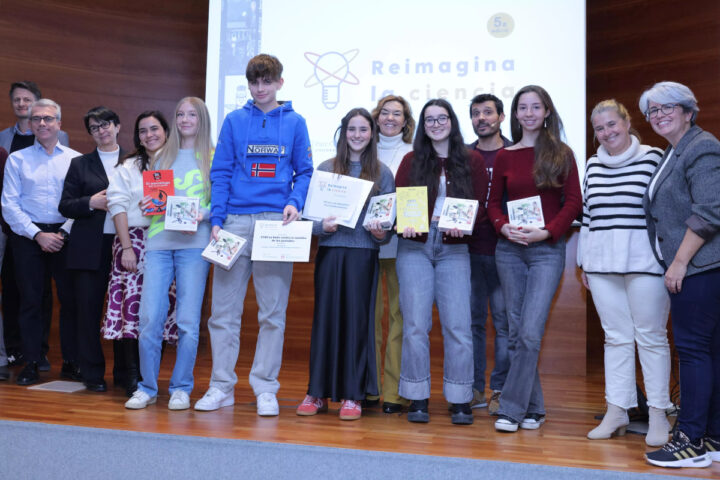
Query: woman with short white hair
[[682, 207]]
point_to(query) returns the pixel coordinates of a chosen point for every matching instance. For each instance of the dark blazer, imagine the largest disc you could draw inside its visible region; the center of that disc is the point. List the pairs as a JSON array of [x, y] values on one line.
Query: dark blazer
[[687, 195], [85, 177]]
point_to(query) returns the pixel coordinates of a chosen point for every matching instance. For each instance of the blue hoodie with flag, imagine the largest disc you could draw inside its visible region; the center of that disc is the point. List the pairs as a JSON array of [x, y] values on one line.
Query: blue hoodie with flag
[[263, 162]]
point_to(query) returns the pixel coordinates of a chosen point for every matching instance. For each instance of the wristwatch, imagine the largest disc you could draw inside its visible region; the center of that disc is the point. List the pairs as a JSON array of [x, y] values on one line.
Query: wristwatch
[[64, 234]]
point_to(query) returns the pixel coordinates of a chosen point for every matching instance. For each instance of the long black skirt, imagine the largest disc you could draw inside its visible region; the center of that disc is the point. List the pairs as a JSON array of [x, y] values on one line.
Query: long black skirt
[[342, 347]]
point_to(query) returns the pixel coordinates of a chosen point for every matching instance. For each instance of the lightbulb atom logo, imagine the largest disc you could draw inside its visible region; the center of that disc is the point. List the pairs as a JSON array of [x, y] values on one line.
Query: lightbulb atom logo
[[332, 69]]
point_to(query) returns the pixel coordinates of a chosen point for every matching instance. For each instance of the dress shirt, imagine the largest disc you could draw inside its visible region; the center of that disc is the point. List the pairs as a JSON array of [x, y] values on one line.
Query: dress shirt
[[32, 187]]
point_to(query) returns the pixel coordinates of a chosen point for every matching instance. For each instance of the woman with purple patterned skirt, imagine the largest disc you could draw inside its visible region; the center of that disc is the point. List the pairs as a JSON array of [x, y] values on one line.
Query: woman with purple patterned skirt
[[124, 195]]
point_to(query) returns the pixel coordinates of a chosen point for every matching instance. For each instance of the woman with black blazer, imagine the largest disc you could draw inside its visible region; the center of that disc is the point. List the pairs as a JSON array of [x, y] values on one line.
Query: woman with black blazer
[[682, 209], [89, 247]]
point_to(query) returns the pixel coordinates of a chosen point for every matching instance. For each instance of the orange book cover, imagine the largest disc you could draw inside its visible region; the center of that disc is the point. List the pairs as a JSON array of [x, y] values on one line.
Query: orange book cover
[[158, 184]]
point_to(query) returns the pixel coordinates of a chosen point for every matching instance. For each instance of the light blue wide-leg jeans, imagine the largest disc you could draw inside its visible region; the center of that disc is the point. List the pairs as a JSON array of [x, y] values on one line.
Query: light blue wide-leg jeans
[[190, 272], [435, 272]]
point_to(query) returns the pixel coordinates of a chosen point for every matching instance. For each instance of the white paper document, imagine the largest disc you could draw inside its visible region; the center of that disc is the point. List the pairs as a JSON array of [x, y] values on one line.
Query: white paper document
[[339, 196], [275, 242]]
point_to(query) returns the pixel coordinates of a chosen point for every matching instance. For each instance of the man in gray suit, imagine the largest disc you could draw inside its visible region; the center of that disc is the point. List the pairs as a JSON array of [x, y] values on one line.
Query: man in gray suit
[[22, 95]]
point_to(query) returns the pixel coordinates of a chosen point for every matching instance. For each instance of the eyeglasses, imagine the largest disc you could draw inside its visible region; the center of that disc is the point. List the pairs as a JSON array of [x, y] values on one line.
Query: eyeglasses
[[96, 128], [666, 109], [48, 120], [440, 120]]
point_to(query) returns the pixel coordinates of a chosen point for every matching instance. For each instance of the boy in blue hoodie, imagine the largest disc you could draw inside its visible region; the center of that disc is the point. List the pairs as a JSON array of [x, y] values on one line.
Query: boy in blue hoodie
[[261, 171]]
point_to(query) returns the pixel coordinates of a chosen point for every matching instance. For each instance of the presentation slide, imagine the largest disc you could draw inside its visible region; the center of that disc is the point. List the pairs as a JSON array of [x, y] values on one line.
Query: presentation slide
[[342, 55]]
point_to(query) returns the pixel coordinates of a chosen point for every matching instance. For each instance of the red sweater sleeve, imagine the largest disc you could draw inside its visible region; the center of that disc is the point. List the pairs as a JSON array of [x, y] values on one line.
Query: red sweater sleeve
[[497, 190], [572, 204]]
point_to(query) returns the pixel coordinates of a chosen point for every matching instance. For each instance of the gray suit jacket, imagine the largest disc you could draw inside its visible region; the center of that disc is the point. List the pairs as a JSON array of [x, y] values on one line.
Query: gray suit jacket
[[6, 138], [687, 195]]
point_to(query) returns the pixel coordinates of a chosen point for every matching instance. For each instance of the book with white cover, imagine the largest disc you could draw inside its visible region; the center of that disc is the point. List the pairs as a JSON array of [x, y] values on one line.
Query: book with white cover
[[458, 213], [339, 196], [181, 213], [383, 209], [224, 251], [526, 212]]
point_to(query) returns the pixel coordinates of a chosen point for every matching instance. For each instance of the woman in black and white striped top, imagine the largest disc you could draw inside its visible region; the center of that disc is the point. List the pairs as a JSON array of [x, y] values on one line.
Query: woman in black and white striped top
[[622, 273]]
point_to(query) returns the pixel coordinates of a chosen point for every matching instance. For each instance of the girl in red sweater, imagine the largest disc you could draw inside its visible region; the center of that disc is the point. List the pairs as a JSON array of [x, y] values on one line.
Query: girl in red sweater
[[530, 260]]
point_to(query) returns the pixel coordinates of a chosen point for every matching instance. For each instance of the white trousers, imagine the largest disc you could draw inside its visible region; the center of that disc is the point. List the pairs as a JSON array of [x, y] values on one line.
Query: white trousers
[[634, 308]]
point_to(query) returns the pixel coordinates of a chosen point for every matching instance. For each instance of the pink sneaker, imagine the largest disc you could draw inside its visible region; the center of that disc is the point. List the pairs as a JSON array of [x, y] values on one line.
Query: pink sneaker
[[312, 406], [350, 410]]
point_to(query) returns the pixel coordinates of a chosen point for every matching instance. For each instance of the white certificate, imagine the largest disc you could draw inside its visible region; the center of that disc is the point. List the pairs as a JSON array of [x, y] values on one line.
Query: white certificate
[[275, 242], [339, 196]]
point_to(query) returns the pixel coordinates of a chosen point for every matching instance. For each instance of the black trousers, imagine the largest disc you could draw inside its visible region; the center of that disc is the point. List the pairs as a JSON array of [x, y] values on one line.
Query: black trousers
[[11, 305], [33, 269], [89, 287]]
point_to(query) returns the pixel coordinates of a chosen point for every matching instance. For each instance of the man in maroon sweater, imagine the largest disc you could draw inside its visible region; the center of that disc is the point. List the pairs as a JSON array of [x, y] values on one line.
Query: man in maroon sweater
[[486, 113]]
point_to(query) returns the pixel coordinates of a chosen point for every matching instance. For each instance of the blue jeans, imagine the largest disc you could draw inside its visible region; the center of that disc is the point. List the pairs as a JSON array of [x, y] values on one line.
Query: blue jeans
[[427, 272], [696, 329], [529, 276], [190, 272], [485, 286]]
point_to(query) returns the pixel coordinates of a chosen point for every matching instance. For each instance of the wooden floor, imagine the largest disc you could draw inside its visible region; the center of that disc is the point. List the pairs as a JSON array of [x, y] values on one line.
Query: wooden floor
[[571, 404]]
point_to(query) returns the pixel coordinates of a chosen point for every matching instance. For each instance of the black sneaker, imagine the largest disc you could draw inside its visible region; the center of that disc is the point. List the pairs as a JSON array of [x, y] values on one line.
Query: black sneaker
[[418, 411], [680, 452], [713, 448], [390, 407], [461, 414]]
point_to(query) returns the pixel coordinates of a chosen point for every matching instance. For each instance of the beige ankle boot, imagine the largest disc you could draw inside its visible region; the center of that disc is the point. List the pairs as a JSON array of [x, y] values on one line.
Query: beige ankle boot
[[614, 423], [658, 427]]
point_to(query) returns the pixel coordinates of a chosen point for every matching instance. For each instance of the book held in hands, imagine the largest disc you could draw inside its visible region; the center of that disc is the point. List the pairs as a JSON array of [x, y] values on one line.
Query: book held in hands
[[339, 196], [224, 251], [458, 213], [158, 185], [383, 209], [181, 214], [526, 212], [412, 209]]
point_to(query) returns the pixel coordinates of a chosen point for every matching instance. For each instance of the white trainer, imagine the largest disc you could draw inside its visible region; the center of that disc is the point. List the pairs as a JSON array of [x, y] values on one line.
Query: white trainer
[[267, 405], [179, 400], [215, 398], [140, 400]]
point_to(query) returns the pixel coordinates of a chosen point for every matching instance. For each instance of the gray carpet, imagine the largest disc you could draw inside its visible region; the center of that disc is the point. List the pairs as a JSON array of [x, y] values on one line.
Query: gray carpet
[[40, 451]]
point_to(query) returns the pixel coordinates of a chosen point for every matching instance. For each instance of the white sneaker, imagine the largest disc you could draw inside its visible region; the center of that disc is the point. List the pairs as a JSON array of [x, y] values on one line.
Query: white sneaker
[[267, 405], [215, 398], [179, 400], [532, 421], [506, 424], [140, 400]]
